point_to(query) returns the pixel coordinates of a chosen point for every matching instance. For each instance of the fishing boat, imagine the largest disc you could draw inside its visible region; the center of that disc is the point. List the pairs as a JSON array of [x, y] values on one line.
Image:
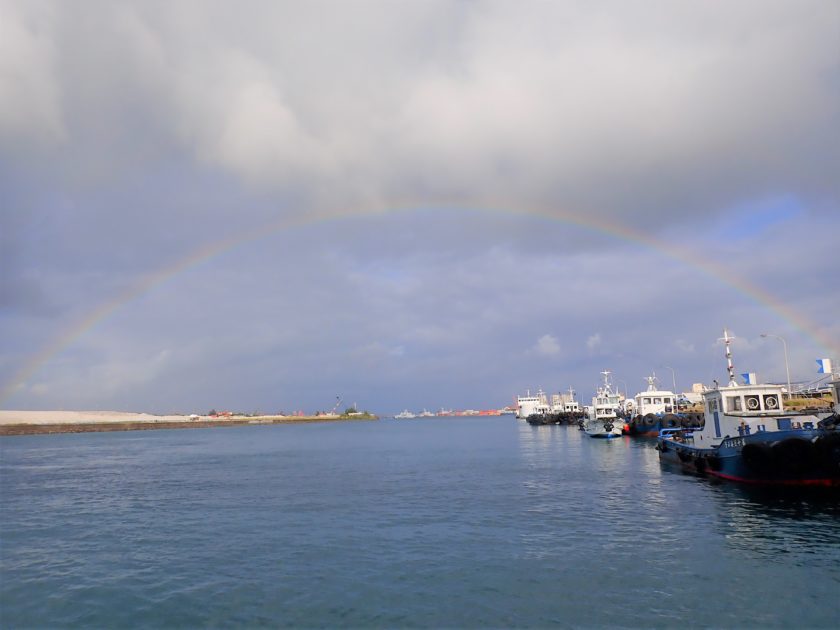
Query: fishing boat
[[405, 415], [750, 437], [656, 409], [604, 421]]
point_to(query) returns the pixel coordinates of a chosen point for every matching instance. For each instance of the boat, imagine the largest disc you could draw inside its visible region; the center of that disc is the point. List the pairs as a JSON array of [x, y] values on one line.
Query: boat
[[750, 437], [405, 415], [425, 414], [604, 421], [529, 405], [656, 409]]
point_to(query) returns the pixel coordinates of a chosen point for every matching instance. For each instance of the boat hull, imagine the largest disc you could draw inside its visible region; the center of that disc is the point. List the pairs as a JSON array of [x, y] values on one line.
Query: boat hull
[[779, 458], [650, 425]]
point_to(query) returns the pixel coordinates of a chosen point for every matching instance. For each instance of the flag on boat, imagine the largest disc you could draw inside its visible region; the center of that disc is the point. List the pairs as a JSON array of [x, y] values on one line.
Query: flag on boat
[[825, 366], [749, 378]]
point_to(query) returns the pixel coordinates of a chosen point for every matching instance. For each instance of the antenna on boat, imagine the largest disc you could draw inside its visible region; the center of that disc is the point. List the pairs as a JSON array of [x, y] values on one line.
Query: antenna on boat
[[730, 368], [606, 374]]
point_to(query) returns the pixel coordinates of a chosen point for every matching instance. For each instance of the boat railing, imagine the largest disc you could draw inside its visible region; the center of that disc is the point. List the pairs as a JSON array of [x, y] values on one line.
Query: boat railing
[[684, 435]]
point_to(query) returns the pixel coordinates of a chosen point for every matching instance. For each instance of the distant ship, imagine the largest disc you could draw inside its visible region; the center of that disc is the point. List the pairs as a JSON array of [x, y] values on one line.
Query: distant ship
[[405, 415]]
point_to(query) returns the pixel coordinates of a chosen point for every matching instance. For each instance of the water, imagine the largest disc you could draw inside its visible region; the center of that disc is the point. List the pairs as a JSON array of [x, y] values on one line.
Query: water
[[439, 522]]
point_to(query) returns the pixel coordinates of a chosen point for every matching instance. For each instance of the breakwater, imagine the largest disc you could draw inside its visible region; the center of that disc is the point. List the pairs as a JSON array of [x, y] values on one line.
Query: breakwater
[[40, 423]]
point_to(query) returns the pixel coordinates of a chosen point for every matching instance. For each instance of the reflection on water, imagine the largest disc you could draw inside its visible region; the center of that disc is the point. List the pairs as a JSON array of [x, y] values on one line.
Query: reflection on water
[[778, 523], [450, 522]]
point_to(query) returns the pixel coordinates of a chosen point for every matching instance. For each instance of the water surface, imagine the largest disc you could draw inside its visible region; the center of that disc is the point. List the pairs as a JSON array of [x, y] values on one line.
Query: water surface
[[433, 522]]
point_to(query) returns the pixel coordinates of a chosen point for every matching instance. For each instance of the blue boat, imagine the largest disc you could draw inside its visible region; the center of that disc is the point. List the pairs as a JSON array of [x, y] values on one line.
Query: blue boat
[[750, 437]]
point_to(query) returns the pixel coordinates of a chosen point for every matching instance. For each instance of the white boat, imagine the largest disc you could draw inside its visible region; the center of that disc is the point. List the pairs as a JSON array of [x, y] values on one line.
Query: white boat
[[528, 405], [405, 415], [603, 421], [654, 409], [425, 414], [565, 403]]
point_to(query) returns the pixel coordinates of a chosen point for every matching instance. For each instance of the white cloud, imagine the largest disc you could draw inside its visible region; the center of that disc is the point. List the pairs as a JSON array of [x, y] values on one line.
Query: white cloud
[[547, 345], [593, 342]]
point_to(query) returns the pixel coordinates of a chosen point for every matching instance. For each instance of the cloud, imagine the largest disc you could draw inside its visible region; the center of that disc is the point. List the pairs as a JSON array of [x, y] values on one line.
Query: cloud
[[391, 173], [684, 346], [30, 109], [547, 345]]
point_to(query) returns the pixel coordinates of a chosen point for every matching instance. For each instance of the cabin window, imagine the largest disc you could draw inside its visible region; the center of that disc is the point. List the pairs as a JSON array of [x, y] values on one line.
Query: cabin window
[[667, 400], [647, 401], [733, 403], [771, 402], [657, 401], [713, 405], [753, 403]]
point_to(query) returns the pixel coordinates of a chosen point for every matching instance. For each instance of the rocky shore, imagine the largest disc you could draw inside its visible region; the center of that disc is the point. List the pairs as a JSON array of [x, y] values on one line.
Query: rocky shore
[[41, 422]]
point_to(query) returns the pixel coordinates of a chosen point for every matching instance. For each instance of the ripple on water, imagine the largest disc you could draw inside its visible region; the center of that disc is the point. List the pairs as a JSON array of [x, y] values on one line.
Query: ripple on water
[[486, 522]]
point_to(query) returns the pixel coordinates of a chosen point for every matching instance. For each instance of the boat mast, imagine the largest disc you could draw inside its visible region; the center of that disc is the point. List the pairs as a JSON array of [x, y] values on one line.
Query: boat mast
[[607, 389], [730, 368]]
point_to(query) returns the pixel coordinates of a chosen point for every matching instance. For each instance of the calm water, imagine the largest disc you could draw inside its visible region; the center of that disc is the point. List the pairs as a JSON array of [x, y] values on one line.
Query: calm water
[[439, 522]]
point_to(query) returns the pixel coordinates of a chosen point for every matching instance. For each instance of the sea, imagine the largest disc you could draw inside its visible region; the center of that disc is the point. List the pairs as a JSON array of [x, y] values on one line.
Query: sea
[[434, 522]]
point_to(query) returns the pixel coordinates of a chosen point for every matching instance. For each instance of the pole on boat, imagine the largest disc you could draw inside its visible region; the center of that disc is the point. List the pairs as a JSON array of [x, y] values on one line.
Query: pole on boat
[[730, 368]]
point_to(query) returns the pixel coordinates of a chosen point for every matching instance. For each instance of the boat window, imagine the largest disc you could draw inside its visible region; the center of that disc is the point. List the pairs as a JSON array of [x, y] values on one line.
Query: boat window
[[647, 401], [713, 405], [733, 403], [657, 401], [753, 403], [667, 400]]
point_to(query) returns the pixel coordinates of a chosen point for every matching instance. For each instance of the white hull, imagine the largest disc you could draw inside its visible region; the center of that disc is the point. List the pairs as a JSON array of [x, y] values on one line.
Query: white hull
[[603, 428]]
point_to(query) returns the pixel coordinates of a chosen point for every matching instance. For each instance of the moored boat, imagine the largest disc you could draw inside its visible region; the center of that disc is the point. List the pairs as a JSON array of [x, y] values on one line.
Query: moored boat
[[529, 405], [604, 421], [656, 409], [404, 415], [750, 437]]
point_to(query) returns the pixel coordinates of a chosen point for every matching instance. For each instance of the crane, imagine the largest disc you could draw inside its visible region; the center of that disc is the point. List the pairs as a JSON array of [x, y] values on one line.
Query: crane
[[335, 407]]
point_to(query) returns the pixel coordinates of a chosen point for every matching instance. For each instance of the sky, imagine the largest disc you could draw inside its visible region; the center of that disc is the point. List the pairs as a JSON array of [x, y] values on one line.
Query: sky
[[260, 206]]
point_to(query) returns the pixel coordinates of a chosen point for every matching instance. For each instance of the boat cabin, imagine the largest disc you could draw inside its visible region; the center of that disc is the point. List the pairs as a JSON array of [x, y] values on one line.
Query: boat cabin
[[654, 400], [739, 410]]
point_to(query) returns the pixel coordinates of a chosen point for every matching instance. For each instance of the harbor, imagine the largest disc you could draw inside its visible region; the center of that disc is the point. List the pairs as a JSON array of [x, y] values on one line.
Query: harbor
[[747, 433]]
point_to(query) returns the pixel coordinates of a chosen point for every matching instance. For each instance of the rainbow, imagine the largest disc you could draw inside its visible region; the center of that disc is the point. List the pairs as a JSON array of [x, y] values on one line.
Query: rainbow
[[202, 254]]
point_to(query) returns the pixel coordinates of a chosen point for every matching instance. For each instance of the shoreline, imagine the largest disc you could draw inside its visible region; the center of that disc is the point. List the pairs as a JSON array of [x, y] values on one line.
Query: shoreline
[[48, 422]]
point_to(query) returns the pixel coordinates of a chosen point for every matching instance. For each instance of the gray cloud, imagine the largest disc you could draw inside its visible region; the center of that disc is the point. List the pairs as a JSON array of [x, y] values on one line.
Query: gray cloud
[[133, 135]]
